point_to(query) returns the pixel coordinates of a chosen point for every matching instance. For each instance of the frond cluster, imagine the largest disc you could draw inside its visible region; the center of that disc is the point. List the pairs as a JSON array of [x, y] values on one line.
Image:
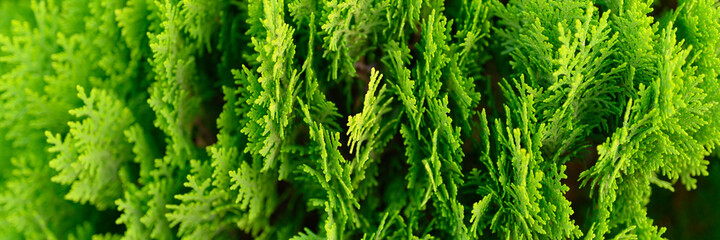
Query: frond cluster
[[367, 119]]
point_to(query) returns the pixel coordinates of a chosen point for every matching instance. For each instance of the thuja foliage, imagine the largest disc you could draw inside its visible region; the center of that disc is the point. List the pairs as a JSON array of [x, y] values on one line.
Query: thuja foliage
[[358, 119]]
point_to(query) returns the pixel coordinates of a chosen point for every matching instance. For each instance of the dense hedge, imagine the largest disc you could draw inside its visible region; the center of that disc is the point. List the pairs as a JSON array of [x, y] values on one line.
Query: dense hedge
[[359, 119]]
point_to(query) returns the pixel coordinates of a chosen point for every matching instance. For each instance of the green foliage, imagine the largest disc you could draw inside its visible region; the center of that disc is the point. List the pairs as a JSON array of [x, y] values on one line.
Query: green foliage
[[370, 119], [272, 94], [92, 155]]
